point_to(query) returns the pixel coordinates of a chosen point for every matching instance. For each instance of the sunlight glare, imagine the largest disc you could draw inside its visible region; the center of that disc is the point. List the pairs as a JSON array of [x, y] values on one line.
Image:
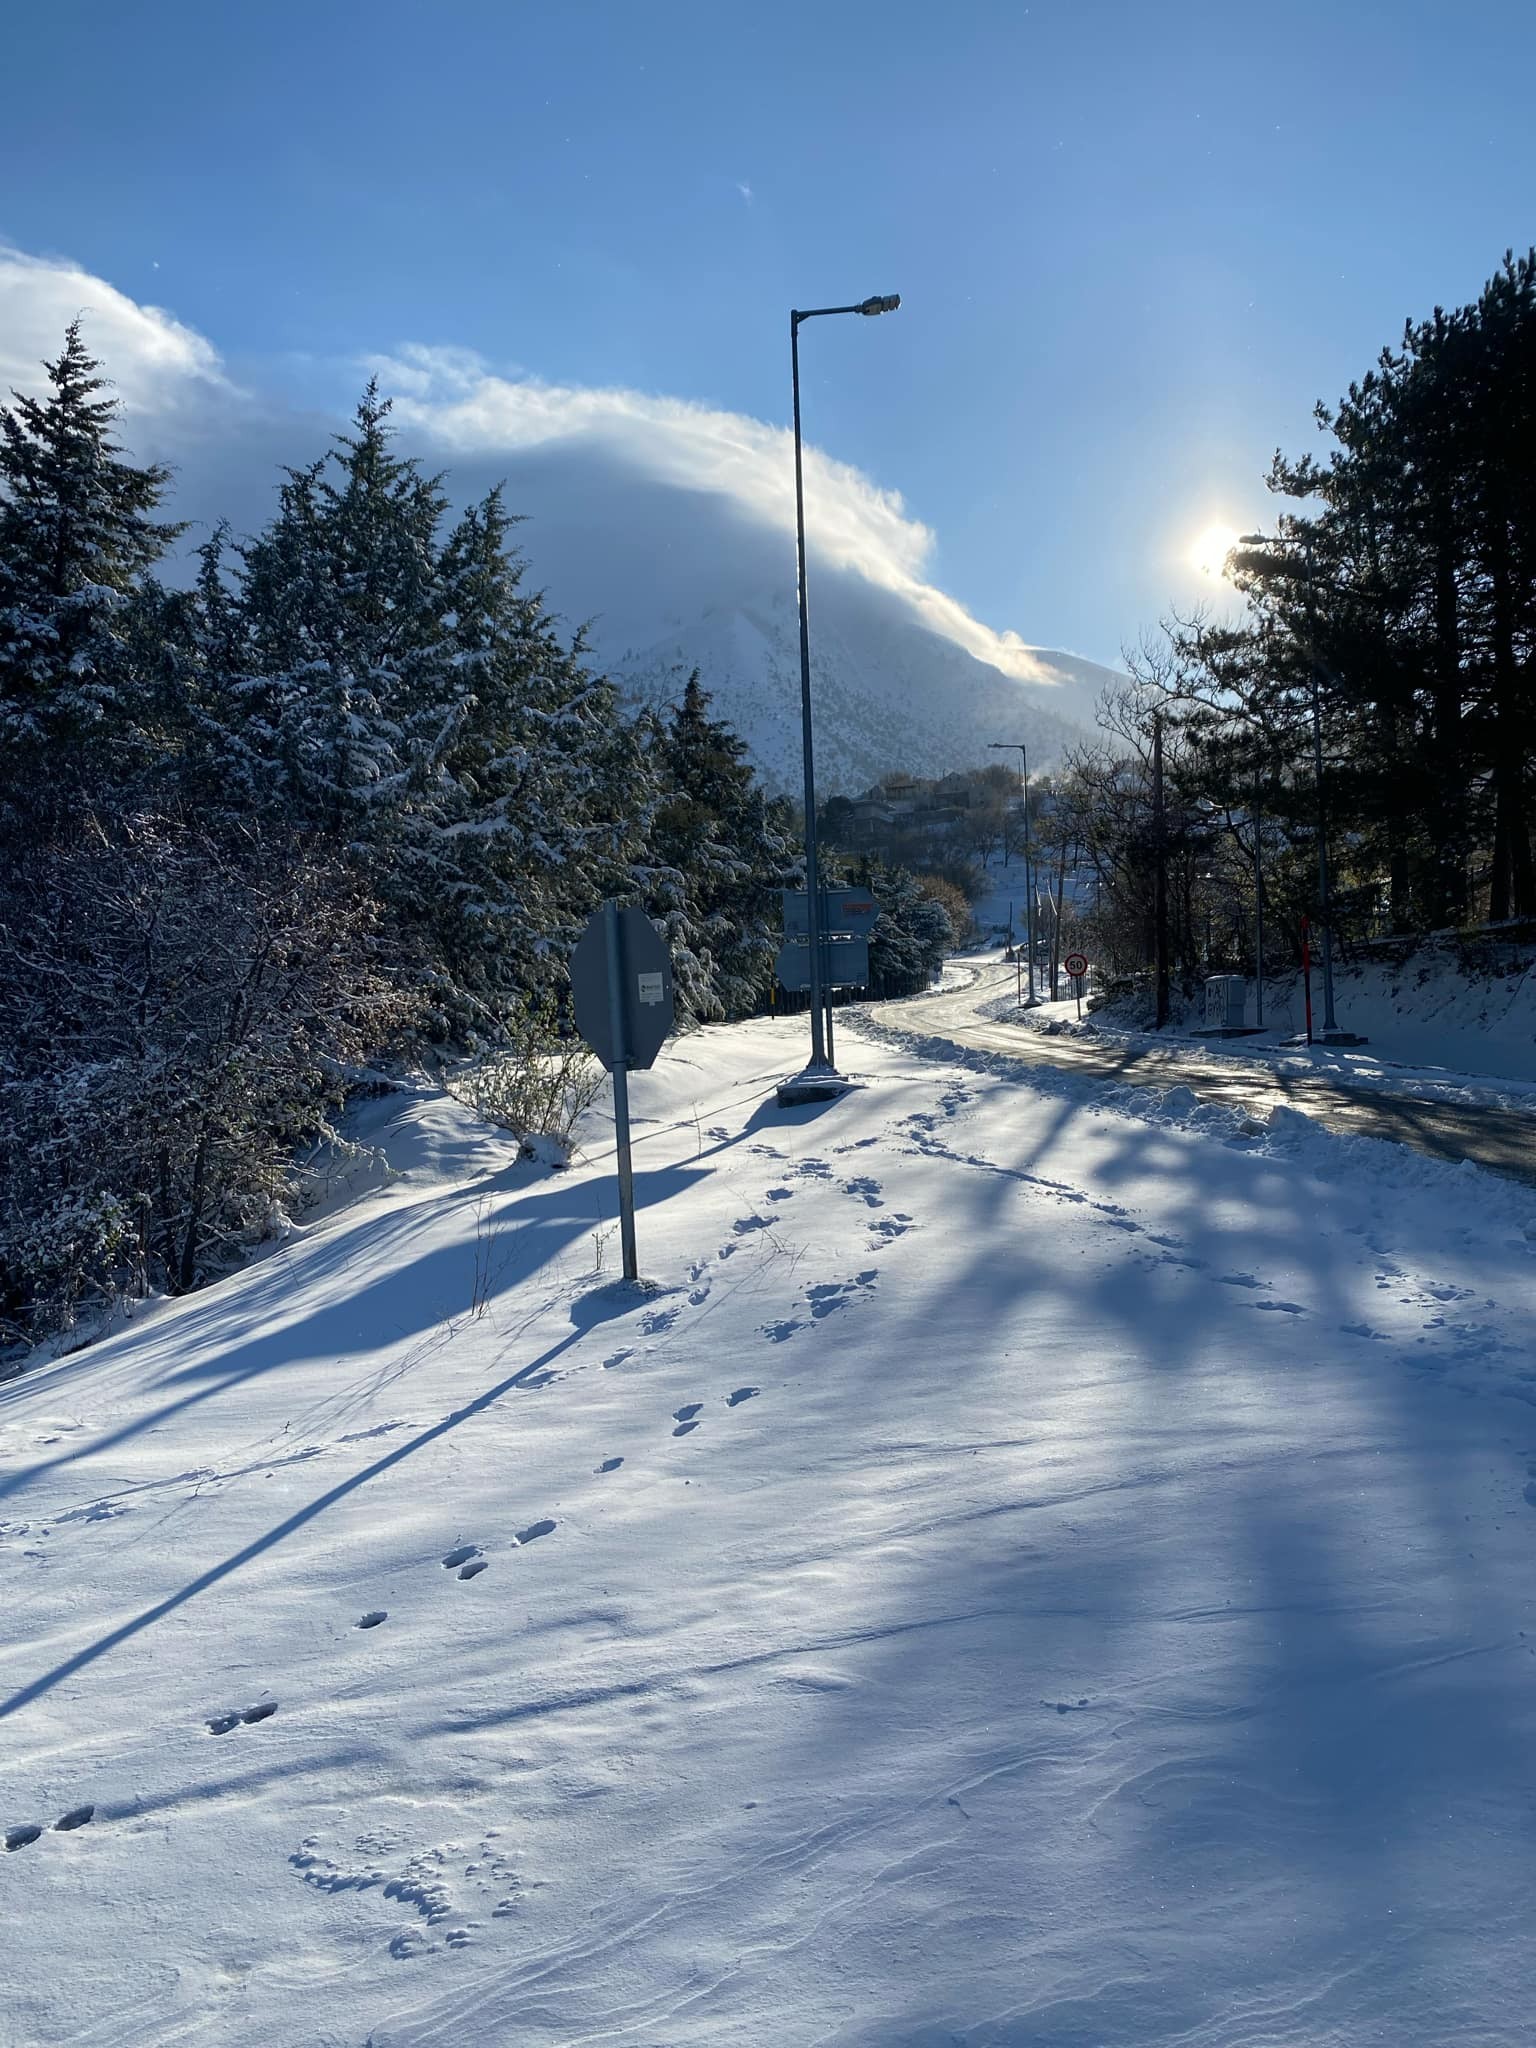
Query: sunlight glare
[[1209, 552]]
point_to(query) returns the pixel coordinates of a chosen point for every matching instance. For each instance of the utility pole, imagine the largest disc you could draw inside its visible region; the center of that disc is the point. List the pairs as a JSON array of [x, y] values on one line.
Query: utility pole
[[1061, 883], [1160, 875], [1258, 903], [1331, 1031], [1330, 1022]]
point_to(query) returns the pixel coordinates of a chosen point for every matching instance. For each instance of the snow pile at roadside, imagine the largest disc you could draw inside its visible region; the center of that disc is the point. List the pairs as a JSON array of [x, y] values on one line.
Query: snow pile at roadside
[[1364, 1066], [1457, 1023], [1030, 1571]]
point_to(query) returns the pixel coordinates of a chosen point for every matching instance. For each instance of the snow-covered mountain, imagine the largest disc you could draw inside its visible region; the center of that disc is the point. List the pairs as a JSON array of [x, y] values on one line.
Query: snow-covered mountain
[[671, 578], [888, 692]]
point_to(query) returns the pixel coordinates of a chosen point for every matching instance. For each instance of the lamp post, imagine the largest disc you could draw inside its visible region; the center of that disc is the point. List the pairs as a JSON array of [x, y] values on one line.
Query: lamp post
[[1266, 540], [819, 1061], [1018, 747]]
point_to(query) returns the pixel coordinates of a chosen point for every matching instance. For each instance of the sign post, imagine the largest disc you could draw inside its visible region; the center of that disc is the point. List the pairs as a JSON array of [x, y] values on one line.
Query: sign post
[[614, 951], [621, 989], [1076, 965]]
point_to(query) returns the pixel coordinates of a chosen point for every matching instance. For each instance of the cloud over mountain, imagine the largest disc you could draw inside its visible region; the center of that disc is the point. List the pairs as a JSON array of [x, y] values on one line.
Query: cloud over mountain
[[664, 524]]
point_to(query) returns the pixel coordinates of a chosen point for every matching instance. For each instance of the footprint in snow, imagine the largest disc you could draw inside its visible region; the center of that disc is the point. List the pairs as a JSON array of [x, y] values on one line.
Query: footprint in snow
[[781, 1194], [534, 1531], [610, 1465], [888, 1227], [474, 1568], [1240, 1280], [221, 1724], [618, 1358], [741, 1394], [18, 1838], [657, 1321], [461, 1555], [1282, 1308], [684, 1417], [77, 1817], [780, 1332], [866, 1190], [372, 1618], [831, 1295]]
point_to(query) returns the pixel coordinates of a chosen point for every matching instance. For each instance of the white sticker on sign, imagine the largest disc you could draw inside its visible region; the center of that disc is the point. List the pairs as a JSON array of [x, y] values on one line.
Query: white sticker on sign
[[650, 988]]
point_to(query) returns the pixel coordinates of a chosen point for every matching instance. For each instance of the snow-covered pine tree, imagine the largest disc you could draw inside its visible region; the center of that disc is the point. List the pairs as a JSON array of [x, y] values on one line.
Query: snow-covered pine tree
[[353, 693], [204, 654], [731, 844], [547, 792], [911, 934], [78, 537]]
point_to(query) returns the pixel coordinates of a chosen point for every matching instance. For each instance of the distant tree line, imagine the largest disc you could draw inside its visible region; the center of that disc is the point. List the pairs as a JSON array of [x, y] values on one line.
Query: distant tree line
[[1389, 628], [350, 796]]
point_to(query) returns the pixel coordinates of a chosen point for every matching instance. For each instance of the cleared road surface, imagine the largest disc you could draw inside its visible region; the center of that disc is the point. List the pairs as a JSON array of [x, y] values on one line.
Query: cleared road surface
[[1502, 1140]]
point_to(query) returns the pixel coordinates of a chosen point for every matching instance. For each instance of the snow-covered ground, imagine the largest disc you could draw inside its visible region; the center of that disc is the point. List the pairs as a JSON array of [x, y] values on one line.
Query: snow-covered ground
[[1031, 1574]]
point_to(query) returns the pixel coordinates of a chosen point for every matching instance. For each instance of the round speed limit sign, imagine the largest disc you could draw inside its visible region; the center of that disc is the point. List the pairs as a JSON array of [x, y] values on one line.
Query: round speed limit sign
[[1076, 965]]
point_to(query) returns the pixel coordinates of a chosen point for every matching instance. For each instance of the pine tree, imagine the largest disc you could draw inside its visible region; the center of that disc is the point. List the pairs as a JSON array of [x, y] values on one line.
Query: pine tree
[[911, 934], [729, 847], [359, 696], [548, 790], [78, 537]]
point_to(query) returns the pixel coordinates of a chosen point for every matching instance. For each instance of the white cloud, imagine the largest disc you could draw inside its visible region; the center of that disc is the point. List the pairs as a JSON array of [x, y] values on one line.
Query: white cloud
[[466, 410], [172, 381], [153, 360]]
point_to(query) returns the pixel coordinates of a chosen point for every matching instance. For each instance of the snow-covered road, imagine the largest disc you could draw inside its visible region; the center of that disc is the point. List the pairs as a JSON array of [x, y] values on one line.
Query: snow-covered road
[[1034, 1574], [1440, 1116]]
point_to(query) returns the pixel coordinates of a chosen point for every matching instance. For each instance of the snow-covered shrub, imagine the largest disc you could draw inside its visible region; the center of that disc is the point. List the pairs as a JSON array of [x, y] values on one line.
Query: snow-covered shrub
[[535, 1084]]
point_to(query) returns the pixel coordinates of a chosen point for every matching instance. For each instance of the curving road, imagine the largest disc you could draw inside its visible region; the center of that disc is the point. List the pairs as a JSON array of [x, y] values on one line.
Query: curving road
[[1502, 1140]]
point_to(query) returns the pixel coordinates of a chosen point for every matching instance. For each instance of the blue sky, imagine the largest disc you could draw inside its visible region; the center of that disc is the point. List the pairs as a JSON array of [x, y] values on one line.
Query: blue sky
[[1134, 243]]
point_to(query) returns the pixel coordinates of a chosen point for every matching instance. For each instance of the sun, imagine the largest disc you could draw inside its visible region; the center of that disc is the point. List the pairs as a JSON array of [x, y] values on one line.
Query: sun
[[1209, 550]]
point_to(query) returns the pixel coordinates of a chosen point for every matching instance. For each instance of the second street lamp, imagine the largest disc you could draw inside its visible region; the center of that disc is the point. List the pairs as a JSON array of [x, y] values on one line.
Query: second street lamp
[[1019, 747], [820, 1065]]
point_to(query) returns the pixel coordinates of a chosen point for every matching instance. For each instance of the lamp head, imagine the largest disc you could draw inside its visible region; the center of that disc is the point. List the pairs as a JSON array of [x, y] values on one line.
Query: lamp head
[[878, 305]]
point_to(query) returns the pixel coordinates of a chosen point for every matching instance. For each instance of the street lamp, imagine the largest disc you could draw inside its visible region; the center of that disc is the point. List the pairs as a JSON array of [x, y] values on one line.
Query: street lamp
[[1018, 747], [1331, 1031], [820, 1065]]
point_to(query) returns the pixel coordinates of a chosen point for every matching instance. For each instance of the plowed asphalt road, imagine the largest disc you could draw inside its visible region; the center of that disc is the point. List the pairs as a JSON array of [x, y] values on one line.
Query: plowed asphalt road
[[1502, 1140]]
